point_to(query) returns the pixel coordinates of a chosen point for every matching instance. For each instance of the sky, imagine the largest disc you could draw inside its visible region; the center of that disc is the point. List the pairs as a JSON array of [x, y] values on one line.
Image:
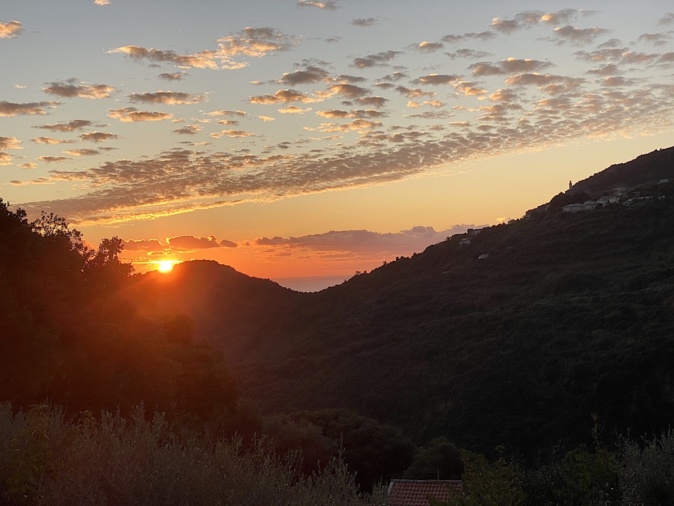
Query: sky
[[304, 141]]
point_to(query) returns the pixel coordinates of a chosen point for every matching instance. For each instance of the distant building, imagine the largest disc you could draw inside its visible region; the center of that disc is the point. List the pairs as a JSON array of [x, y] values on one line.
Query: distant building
[[464, 242], [608, 199], [421, 492], [572, 208], [483, 256]]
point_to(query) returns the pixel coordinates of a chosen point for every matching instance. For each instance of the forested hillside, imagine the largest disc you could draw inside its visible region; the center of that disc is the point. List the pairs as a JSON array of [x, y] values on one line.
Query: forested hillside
[[565, 317]]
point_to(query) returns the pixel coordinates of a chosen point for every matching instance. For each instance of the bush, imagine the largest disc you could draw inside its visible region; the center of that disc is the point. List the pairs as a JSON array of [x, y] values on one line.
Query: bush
[[111, 459]]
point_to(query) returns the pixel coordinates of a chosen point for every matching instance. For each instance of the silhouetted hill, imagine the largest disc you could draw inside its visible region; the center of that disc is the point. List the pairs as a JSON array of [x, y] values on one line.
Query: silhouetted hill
[[520, 337], [644, 170]]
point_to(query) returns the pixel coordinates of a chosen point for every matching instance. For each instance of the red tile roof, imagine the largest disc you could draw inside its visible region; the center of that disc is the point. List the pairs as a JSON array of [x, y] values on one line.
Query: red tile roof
[[418, 492]]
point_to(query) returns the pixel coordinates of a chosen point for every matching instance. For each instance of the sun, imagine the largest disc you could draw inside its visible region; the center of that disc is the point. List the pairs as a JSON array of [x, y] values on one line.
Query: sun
[[166, 265]]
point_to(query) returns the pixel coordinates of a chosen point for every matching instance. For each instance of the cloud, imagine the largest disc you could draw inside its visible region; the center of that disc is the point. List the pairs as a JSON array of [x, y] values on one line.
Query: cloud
[[173, 76], [467, 54], [10, 143], [240, 114], [504, 95], [579, 36], [293, 110], [188, 130], [70, 89], [249, 42], [666, 58], [376, 102], [50, 140], [71, 126], [28, 166], [375, 60], [98, 137], [428, 47], [469, 89], [509, 66], [565, 16], [167, 97], [29, 109], [10, 30], [131, 114], [348, 90], [529, 19], [255, 42], [358, 125], [325, 4], [334, 113], [53, 159], [667, 19], [5, 159], [605, 70], [40, 181], [143, 245], [505, 25], [232, 134], [364, 22], [190, 242], [101, 2], [404, 242], [81, 152], [656, 39], [542, 80], [617, 81], [282, 96], [414, 92], [205, 59], [308, 76], [437, 79], [481, 36]]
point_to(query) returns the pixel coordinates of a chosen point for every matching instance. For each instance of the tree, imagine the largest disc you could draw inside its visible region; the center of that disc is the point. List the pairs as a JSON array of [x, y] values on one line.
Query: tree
[[499, 483], [440, 461], [373, 450], [104, 269]]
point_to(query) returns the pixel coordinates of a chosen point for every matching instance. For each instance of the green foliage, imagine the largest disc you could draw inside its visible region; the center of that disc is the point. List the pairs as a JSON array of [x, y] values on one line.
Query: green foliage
[[439, 461], [580, 477], [498, 483], [372, 450], [112, 459], [646, 470]]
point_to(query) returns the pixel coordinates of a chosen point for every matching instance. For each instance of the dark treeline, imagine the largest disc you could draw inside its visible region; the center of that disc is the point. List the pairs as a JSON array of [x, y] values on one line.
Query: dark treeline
[[67, 336]]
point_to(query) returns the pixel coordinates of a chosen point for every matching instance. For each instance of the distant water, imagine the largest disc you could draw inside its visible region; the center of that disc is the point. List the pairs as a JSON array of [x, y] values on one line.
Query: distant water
[[312, 283]]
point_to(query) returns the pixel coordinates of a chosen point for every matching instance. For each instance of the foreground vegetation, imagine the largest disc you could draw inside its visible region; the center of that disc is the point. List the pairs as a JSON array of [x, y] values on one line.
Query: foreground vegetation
[[48, 459]]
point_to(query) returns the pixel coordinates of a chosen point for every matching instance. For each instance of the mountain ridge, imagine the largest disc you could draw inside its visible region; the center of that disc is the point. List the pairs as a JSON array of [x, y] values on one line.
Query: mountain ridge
[[566, 318]]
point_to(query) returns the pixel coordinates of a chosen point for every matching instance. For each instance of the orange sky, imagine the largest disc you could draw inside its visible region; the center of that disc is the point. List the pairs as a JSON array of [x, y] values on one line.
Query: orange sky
[[294, 138]]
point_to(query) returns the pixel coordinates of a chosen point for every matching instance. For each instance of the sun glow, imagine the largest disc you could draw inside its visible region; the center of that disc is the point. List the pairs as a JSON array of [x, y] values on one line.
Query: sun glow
[[166, 265]]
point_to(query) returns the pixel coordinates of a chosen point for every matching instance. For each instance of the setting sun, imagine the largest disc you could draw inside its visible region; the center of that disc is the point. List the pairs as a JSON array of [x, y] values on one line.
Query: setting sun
[[166, 265]]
